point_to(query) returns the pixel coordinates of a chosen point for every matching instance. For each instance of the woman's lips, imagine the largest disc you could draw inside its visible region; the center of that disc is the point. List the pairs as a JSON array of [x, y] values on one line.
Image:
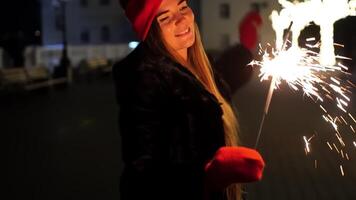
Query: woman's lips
[[183, 33]]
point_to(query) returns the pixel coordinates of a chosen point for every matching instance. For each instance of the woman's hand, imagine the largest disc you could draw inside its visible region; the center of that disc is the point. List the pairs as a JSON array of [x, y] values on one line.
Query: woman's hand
[[233, 165]]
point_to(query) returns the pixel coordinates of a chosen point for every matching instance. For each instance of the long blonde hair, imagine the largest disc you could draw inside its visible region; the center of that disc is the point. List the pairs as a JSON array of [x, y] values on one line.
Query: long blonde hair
[[198, 63]]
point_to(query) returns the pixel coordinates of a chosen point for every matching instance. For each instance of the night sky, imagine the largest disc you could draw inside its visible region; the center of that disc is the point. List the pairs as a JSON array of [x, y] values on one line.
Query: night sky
[[20, 16]]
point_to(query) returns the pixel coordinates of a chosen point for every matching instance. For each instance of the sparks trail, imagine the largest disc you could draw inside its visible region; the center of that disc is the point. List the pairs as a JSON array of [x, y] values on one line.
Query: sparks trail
[[317, 72]]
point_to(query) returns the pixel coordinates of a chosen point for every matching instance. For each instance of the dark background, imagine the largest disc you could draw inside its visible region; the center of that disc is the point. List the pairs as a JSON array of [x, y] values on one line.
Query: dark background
[[63, 143]]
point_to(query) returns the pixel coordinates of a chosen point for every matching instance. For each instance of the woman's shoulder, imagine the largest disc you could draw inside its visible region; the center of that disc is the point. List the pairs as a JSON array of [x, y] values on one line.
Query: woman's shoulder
[[139, 62], [140, 73]]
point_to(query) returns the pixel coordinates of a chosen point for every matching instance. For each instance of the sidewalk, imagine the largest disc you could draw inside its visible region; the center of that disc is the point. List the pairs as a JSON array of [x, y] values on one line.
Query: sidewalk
[[65, 145]]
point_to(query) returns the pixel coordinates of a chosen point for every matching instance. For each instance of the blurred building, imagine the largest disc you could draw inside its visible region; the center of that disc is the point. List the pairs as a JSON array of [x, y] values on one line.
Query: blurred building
[[88, 22], [220, 20]]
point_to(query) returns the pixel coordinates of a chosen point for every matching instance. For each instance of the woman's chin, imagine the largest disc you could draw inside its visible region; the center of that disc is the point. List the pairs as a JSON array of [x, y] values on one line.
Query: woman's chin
[[186, 43]]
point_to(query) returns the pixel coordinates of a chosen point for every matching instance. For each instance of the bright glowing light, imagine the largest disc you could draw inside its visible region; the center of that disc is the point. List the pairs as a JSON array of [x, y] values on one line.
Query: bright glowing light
[[342, 170], [307, 143], [300, 69], [133, 44], [336, 148], [322, 12], [329, 146], [317, 75]]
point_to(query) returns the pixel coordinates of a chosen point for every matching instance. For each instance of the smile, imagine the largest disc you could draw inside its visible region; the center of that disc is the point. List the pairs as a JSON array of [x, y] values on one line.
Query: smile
[[183, 33]]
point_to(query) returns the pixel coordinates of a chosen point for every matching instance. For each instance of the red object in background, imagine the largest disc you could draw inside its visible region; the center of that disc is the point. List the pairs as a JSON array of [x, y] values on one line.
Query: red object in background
[[248, 30], [141, 14], [233, 165]]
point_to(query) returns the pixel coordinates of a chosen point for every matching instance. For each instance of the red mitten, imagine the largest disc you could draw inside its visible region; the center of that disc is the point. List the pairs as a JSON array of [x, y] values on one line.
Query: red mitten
[[233, 165]]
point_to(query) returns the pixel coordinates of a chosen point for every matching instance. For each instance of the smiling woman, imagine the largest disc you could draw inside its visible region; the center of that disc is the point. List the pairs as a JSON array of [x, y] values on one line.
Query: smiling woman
[[175, 123], [176, 22]]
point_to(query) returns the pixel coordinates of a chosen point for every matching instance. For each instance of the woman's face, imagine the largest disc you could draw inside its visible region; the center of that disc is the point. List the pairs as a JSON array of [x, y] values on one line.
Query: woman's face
[[176, 21]]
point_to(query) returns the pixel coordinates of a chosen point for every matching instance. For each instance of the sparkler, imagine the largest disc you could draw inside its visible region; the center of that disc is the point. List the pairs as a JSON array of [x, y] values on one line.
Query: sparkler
[[305, 70], [270, 91], [301, 70]]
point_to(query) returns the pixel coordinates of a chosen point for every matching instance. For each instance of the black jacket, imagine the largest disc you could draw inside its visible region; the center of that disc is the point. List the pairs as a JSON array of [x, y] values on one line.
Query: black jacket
[[170, 127]]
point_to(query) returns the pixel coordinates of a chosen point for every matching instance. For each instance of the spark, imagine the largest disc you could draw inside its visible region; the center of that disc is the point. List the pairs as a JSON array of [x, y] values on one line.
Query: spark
[[342, 170], [354, 143], [337, 119], [325, 118], [326, 90], [343, 120], [335, 81], [329, 97], [352, 128], [347, 156], [343, 57], [343, 102], [333, 123], [343, 66], [352, 117], [323, 108], [339, 105], [340, 139], [315, 164], [352, 84], [307, 143], [342, 153], [340, 45], [336, 148], [338, 90], [329, 146]]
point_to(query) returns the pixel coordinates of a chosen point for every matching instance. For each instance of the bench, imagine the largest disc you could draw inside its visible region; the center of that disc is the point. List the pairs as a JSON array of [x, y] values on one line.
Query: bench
[[99, 64], [28, 78]]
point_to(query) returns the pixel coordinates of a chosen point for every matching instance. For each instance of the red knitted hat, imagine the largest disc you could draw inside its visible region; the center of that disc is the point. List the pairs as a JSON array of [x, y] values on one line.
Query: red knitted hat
[[141, 14]]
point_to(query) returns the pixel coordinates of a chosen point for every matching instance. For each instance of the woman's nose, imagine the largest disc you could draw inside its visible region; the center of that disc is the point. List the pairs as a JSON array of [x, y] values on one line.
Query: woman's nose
[[179, 18]]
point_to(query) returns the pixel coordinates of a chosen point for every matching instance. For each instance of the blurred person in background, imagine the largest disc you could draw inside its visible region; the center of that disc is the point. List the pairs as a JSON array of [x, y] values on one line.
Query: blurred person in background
[[232, 64]]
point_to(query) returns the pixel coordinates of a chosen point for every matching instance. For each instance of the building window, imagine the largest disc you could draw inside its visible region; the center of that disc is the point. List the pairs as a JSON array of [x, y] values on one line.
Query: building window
[[85, 36], [225, 11], [84, 3], [104, 2], [105, 34]]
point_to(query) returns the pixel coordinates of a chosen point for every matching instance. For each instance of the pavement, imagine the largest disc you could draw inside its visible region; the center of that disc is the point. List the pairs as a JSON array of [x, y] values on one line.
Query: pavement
[[290, 173], [64, 144]]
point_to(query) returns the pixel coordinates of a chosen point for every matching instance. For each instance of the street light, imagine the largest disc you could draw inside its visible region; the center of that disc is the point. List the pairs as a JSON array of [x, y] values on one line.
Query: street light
[[62, 69]]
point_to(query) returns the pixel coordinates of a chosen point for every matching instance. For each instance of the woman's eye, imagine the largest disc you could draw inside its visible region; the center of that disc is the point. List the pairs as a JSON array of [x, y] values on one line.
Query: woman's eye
[[184, 7], [163, 19]]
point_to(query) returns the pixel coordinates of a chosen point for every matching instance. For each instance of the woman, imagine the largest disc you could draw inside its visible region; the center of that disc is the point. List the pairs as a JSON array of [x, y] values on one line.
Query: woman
[[174, 122]]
